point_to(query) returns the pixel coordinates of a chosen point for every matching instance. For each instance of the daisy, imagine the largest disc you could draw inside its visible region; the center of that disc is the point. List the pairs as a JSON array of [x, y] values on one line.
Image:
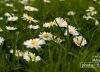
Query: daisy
[[1, 30], [71, 30], [46, 36], [91, 11], [7, 14], [79, 41], [29, 18], [46, 1], [1, 40], [49, 24], [1, 18], [26, 56], [10, 28], [34, 43], [12, 18], [33, 26], [61, 22], [17, 52], [9, 5], [33, 57], [30, 8], [71, 13], [23, 1]]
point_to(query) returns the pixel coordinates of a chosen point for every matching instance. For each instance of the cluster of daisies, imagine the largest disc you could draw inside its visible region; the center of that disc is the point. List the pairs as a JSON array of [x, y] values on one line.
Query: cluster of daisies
[[44, 37], [90, 15], [1, 40], [28, 56], [60, 22]]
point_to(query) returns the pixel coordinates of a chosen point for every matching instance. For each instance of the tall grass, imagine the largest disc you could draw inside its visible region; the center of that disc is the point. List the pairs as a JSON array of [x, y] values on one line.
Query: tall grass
[[64, 57]]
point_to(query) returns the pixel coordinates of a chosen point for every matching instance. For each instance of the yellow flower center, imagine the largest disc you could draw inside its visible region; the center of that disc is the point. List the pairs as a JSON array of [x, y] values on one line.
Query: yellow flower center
[[34, 42], [46, 35], [51, 23], [17, 53], [33, 57], [30, 18], [78, 42]]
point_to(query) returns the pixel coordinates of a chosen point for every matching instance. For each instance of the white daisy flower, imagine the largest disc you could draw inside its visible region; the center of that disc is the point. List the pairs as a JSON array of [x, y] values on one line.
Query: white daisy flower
[[26, 56], [46, 36], [61, 22], [9, 5], [91, 11], [23, 1], [71, 13], [17, 52], [87, 17], [38, 58], [1, 40], [49, 24], [33, 27], [10, 28], [79, 41], [96, 22], [71, 30], [1, 18], [12, 18], [30, 8], [46, 1], [1, 30], [29, 18], [7, 14], [34, 43], [91, 8], [33, 57]]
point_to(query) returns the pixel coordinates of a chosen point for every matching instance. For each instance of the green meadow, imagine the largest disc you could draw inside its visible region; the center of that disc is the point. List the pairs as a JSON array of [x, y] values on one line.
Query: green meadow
[[64, 56]]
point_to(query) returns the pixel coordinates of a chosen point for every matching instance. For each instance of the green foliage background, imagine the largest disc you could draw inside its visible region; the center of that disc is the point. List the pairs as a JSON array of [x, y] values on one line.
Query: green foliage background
[[65, 57]]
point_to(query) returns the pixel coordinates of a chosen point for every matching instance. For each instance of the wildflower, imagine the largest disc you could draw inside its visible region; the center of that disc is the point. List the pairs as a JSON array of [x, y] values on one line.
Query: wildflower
[[10, 28], [79, 41], [33, 57], [29, 8], [1, 40], [91, 11], [9, 5], [7, 14], [33, 26], [29, 18], [12, 18], [47, 1], [72, 30], [17, 52], [26, 56], [1, 18], [1, 30], [61, 22], [96, 22], [23, 1], [71, 13], [49, 24], [34, 43], [46, 36]]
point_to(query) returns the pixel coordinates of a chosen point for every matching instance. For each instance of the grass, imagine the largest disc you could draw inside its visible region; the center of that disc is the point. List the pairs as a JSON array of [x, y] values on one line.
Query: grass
[[65, 57]]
